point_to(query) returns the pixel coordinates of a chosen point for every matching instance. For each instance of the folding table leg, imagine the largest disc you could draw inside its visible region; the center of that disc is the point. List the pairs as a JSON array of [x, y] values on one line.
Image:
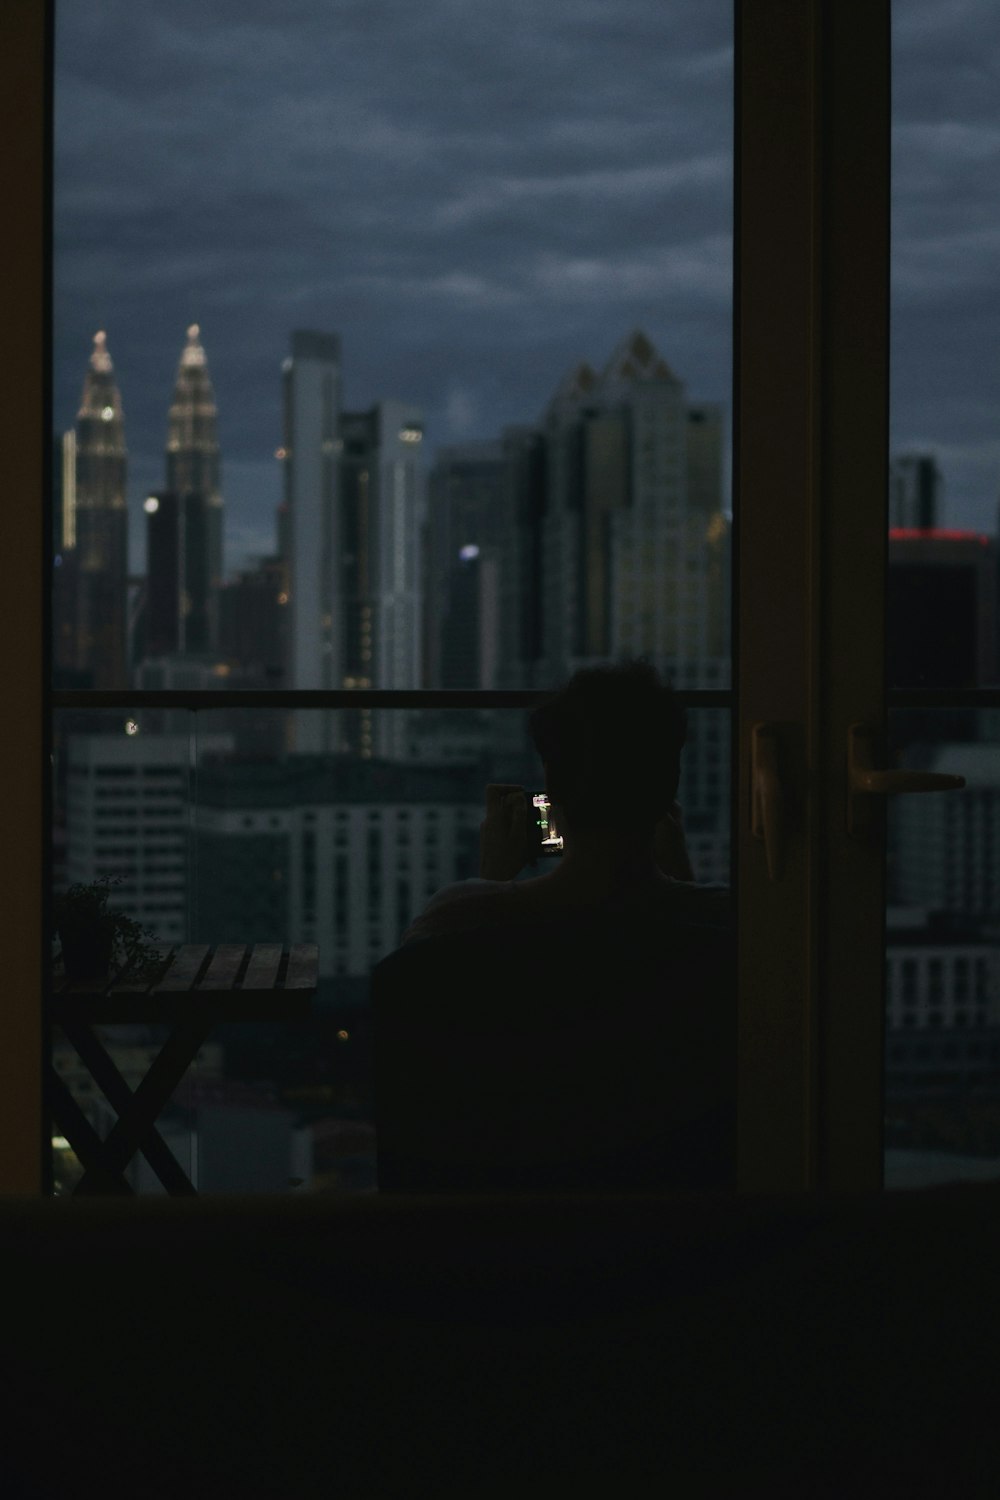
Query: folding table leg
[[86, 1143], [118, 1094], [143, 1108]]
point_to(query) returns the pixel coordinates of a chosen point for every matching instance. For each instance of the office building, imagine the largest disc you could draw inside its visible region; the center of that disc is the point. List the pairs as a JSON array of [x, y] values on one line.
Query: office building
[[89, 596], [941, 609], [193, 476]]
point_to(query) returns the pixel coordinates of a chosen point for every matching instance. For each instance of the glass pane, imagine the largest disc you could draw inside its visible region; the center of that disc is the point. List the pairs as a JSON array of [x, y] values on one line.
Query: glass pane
[[392, 344], [943, 979], [122, 797], [392, 350], [945, 370], [943, 961], [220, 834]]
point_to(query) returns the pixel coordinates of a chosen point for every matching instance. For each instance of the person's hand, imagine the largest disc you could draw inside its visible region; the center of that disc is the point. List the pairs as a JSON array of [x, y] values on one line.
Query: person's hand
[[669, 846], [503, 833]]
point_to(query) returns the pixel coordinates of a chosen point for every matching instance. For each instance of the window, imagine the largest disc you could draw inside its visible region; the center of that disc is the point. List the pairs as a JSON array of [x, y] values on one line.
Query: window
[[770, 462]]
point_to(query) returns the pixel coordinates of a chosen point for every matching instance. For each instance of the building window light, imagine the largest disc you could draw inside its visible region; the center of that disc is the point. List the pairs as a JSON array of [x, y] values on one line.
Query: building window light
[[410, 435]]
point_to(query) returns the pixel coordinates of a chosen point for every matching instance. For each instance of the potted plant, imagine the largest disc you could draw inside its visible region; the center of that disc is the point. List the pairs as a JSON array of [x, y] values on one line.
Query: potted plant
[[96, 937]]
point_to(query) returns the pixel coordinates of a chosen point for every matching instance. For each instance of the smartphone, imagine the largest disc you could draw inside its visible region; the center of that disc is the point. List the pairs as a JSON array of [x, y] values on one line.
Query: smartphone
[[546, 838]]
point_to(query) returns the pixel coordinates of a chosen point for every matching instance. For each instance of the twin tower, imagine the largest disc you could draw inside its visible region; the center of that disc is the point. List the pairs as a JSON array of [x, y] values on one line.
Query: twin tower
[[91, 604]]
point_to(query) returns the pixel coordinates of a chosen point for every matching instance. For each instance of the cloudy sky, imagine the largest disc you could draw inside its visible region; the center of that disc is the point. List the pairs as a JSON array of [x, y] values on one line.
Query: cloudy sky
[[475, 198]]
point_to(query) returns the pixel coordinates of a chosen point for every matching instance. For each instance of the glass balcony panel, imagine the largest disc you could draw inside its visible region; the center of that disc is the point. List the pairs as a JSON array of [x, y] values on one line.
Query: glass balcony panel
[[265, 825]]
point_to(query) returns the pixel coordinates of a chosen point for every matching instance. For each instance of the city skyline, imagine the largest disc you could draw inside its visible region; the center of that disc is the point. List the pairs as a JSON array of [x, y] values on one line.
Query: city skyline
[[473, 214]]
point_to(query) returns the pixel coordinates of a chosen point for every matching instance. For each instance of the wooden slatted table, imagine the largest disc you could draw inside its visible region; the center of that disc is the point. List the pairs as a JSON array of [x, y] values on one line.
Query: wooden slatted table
[[200, 987]]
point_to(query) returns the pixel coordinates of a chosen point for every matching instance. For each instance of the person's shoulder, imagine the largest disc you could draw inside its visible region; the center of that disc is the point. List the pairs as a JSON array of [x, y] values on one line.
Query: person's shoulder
[[455, 907], [702, 903]]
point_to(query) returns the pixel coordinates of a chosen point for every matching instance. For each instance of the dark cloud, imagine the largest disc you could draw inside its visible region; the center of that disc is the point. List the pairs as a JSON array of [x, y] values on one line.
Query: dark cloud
[[474, 197]]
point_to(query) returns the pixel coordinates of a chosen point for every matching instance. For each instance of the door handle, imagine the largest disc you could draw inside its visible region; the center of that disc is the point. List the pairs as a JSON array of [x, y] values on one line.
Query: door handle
[[767, 817], [864, 780]]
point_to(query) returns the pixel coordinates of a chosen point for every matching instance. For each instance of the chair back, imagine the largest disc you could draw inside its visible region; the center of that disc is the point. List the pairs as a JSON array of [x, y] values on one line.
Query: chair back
[[575, 1055]]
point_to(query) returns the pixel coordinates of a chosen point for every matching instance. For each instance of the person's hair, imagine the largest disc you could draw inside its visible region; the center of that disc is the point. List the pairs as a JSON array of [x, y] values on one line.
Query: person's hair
[[612, 734]]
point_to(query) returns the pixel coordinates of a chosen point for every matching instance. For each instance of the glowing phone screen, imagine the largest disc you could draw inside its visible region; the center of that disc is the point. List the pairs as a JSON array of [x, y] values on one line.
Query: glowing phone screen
[[551, 838]]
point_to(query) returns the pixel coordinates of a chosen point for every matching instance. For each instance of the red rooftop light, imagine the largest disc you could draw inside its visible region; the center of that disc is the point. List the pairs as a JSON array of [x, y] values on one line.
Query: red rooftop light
[[936, 534]]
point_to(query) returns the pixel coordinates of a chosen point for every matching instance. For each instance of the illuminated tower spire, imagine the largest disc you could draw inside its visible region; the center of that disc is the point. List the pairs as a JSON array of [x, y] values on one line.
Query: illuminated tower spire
[[193, 454], [98, 561]]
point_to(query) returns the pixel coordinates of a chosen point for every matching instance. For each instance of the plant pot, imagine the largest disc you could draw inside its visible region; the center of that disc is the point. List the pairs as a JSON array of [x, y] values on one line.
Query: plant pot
[[86, 949]]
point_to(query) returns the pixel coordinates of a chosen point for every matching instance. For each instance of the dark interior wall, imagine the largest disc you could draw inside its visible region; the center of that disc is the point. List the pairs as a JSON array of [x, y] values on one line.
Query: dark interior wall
[[700, 1345]]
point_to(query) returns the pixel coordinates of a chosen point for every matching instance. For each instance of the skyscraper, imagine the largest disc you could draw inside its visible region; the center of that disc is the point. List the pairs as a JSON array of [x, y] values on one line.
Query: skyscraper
[[91, 582], [349, 529], [307, 523], [378, 610], [193, 476], [622, 549], [178, 596], [914, 491], [468, 523], [633, 539]]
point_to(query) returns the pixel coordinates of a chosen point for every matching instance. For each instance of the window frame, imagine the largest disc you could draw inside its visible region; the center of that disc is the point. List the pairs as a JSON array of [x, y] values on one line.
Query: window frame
[[811, 338]]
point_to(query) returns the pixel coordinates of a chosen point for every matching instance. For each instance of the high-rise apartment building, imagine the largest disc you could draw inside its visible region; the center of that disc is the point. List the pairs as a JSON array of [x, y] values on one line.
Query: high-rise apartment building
[[945, 850], [332, 850], [940, 975], [128, 815], [193, 476], [90, 580]]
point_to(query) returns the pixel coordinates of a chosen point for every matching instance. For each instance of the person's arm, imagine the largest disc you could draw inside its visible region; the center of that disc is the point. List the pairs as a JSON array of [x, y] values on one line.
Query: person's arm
[[503, 833], [670, 846]]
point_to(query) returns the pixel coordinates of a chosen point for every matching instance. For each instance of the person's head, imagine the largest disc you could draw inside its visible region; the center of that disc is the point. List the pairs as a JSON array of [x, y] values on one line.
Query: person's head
[[611, 742]]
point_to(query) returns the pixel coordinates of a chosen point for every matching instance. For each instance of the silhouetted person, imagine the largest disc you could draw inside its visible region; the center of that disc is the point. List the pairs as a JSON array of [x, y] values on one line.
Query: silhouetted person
[[610, 745], [574, 1030]]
